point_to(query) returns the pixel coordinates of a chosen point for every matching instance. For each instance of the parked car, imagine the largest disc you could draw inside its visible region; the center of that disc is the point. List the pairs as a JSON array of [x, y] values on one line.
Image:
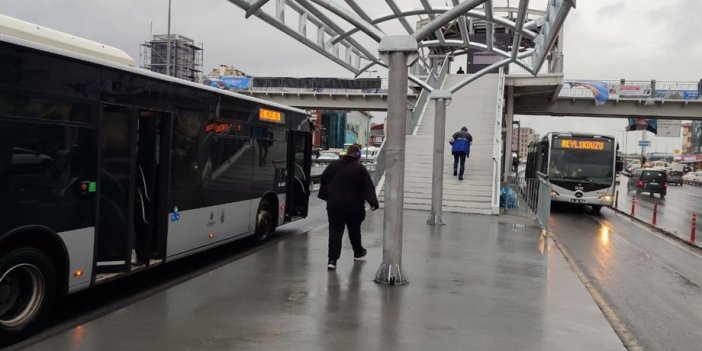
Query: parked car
[[649, 180], [693, 178], [675, 177]]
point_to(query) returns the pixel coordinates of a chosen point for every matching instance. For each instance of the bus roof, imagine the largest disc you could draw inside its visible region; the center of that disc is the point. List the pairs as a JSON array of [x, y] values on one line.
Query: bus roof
[[86, 56], [34, 33]]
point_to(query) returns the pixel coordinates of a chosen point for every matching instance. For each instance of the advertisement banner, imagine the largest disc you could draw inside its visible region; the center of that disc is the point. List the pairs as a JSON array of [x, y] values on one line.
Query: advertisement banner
[[600, 90], [639, 123], [669, 128], [677, 94], [633, 91], [236, 82], [696, 138]]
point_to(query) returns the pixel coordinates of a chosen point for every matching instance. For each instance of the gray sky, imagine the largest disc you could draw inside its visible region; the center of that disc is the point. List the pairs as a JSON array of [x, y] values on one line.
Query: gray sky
[[605, 39]]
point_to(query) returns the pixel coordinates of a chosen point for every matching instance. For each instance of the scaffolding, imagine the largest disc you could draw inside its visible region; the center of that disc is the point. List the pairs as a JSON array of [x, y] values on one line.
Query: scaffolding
[[186, 56]]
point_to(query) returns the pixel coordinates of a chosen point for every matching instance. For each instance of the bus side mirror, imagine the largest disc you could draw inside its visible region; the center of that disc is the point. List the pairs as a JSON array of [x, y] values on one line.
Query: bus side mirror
[[619, 166]]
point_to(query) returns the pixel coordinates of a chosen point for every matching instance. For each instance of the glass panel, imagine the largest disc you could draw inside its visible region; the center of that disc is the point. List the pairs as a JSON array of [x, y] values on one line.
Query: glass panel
[[188, 125], [115, 213]]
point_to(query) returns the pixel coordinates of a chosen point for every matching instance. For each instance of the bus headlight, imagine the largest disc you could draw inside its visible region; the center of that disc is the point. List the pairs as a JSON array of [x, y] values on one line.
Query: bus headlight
[[606, 197]]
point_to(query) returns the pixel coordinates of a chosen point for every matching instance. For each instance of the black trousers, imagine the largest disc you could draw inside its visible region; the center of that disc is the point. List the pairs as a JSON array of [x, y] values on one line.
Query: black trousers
[[459, 157], [338, 219]]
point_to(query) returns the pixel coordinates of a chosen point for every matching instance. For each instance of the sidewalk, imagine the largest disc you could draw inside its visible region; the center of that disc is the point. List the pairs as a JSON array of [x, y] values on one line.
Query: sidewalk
[[478, 283]]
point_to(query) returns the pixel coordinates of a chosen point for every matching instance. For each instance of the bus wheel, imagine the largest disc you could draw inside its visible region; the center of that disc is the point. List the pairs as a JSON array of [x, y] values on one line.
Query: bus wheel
[[596, 209], [27, 292], [264, 222]]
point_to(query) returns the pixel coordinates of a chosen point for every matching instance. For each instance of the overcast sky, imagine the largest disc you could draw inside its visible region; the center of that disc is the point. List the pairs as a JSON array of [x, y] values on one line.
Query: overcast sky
[[604, 39]]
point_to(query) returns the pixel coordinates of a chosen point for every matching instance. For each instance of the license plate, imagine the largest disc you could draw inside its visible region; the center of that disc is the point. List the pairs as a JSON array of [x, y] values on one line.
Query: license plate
[[654, 183], [578, 201]]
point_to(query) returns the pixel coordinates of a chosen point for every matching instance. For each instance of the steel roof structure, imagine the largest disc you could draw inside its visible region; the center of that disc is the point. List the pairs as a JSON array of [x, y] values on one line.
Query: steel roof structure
[[348, 32]]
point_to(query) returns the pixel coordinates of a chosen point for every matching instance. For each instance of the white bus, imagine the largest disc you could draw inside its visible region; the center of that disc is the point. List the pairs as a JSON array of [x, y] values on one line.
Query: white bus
[[581, 167], [107, 170]]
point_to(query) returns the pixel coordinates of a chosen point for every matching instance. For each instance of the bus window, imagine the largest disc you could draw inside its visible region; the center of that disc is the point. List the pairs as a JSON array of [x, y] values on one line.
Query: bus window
[[188, 125]]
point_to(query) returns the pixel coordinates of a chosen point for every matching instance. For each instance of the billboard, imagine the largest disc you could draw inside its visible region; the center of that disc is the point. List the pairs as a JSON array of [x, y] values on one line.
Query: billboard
[[696, 138], [640, 123], [668, 128]]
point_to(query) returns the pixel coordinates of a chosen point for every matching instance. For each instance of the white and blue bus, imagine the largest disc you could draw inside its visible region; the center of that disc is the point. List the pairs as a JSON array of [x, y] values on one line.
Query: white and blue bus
[[107, 169], [581, 167]]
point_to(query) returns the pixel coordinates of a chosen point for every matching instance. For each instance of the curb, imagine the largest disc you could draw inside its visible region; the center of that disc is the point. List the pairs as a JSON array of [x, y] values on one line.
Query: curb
[[659, 230]]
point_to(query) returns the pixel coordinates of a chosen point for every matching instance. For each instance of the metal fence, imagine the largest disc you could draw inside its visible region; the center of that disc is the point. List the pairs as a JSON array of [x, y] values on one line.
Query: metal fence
[[527, 197]]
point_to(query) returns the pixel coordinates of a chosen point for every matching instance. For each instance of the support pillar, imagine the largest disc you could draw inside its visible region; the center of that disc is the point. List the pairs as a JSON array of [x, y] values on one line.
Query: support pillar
[[398, 52], [437, 176]]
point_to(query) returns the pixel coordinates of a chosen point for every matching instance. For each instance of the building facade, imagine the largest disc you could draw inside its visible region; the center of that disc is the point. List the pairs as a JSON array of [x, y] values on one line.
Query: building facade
[[521, 137]]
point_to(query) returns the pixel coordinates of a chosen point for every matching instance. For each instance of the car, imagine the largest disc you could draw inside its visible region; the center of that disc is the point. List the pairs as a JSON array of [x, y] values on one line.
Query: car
[[675, 177], [328, 155], [649, 180], [693, 178]]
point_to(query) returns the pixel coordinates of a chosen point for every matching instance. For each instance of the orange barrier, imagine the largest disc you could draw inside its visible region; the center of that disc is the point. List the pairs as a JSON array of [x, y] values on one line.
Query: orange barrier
[[633, 205], [655, 214], [693, 227]]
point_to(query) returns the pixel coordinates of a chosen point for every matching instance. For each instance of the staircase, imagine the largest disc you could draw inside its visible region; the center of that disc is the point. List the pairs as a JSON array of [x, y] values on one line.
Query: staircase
[[475, 107]]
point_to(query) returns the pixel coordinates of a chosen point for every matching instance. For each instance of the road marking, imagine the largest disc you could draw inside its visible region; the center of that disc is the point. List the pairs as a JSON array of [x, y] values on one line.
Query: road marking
[[620, 328]]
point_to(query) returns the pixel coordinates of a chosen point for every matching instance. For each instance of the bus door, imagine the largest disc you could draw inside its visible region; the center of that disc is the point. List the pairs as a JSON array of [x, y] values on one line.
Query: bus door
[[298, 173], [129, 170]]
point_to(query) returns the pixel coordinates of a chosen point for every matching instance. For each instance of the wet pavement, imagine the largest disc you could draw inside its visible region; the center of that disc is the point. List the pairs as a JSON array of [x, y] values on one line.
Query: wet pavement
[[651, 282], [479, 283], [673, 212]]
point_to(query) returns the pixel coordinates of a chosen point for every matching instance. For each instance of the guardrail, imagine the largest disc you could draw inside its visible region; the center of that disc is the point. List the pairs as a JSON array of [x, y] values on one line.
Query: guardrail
[[318, 166], [528, 197]]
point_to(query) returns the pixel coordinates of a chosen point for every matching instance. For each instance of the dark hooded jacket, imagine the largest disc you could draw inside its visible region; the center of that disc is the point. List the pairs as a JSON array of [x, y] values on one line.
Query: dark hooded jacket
[[347, 185]]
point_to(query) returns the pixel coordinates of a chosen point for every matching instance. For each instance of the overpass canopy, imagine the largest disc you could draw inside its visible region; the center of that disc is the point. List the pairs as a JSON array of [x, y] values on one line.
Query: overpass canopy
[[347, 32]]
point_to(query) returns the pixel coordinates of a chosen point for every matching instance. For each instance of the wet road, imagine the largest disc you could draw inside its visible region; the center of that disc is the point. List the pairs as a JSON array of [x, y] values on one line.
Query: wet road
[[674, 211], [651, 282], [88, 305]]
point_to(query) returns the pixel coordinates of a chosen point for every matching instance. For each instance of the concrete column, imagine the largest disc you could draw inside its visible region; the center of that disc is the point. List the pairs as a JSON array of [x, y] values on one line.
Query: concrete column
[[437, 176], [509, 119], [398, 52]]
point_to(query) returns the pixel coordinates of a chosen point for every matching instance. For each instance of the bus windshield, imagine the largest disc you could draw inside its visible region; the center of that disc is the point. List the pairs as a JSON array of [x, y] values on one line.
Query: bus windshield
[[582, 165]]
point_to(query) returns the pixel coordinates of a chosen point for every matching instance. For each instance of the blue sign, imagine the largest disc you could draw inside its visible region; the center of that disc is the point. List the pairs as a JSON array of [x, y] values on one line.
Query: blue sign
[[236, 82], [644, 143]]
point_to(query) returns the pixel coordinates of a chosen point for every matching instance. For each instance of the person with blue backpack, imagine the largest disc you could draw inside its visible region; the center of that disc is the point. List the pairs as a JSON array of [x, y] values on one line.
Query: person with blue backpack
[[460, 148]]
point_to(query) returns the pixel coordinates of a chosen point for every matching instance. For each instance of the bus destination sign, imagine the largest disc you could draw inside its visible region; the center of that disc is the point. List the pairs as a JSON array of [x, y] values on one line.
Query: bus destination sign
[[583, 144]]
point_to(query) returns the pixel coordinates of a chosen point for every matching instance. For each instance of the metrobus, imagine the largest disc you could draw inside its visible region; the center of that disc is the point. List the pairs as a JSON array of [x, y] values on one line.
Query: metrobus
[[107, 169], [581, 167]]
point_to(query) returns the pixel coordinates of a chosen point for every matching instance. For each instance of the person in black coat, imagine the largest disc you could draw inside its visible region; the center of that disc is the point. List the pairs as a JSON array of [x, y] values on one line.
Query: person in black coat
[[346, 185]]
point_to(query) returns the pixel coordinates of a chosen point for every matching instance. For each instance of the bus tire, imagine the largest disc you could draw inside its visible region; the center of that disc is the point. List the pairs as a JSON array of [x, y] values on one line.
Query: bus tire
[[596, 209], [27, 292], [265, 222]]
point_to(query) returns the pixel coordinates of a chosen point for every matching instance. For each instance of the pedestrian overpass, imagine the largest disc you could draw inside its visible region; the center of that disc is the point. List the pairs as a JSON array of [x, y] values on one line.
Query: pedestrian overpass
[[542, 95]]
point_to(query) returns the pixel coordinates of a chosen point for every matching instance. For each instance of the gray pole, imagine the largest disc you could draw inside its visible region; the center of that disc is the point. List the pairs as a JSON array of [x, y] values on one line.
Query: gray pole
[[509, 124], [437, 176], [398, 52], [168, 43]]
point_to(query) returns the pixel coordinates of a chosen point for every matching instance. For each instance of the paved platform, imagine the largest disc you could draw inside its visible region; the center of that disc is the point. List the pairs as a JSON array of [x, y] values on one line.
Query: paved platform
[[478, 283]]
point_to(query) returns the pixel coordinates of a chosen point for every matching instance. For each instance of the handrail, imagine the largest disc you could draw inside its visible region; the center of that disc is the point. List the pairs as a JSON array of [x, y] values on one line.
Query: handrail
[[497, 147], [495, 188]]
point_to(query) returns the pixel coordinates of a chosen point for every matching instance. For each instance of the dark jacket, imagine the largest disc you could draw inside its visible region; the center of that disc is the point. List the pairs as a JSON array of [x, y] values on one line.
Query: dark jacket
[[461, 142], [348, 185]]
